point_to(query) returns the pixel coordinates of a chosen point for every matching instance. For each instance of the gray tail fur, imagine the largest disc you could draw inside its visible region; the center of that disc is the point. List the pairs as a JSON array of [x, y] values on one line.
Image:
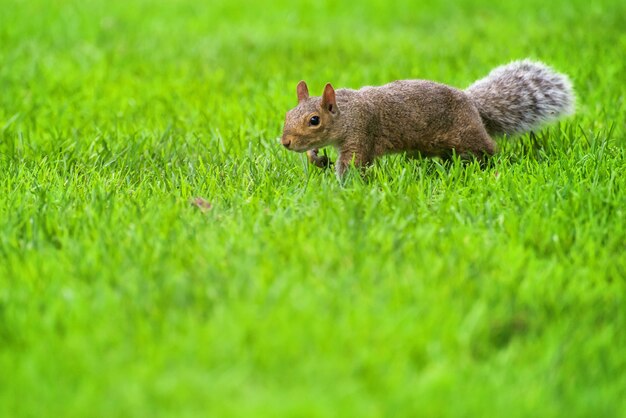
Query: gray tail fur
[[521, 96]]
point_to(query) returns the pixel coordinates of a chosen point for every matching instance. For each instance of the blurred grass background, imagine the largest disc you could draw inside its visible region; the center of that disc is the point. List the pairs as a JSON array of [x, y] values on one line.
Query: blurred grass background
[[421, 290]]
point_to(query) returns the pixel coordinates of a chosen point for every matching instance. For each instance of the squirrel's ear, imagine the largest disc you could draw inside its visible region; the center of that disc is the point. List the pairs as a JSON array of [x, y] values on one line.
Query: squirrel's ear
[[303, 91], [329, 102]]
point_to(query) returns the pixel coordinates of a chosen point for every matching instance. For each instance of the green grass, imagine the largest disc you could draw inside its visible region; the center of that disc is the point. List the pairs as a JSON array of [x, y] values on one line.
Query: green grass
[[420, 290]]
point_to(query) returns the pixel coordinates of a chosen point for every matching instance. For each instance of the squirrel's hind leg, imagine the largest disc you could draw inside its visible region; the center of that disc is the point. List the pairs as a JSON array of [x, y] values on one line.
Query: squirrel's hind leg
[[476, 144]]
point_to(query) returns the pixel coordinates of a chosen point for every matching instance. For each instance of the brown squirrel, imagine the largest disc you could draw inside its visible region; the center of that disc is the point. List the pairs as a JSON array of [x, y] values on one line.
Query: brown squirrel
[[424, 117]]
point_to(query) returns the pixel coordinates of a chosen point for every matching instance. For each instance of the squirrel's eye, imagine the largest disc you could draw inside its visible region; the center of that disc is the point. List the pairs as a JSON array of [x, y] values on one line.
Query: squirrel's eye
[[314, 121]]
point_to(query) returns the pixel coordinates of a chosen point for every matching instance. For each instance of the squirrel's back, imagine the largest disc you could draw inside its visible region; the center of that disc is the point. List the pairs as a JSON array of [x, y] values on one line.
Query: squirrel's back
[[412, 103], [512, 99], [416, 115], [521, 96]]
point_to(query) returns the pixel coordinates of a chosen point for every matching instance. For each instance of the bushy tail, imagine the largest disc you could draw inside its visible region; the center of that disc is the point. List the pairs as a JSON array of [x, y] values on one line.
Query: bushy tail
[[521, 96]]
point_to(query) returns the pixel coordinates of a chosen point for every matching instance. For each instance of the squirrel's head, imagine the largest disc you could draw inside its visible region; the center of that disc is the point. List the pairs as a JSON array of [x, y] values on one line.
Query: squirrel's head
[[310, 124]]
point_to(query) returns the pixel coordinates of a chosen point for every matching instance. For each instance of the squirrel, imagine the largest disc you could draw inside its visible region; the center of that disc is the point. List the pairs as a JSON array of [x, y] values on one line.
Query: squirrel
[[424, 117]]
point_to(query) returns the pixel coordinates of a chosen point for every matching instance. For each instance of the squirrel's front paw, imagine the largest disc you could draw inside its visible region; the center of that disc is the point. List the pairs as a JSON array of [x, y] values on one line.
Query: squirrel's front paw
[[321, 161]]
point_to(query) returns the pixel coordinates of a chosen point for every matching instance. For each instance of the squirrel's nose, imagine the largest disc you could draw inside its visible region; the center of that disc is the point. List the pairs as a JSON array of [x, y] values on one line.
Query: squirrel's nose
[[286, 142]]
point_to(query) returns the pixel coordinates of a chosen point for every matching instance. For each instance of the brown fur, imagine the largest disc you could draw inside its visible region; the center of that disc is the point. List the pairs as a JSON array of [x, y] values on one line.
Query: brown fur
[[414, 116], [374, 121]]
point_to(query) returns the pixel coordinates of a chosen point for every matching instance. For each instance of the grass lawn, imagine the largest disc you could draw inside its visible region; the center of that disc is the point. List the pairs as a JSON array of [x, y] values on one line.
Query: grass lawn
[[420, 290]]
